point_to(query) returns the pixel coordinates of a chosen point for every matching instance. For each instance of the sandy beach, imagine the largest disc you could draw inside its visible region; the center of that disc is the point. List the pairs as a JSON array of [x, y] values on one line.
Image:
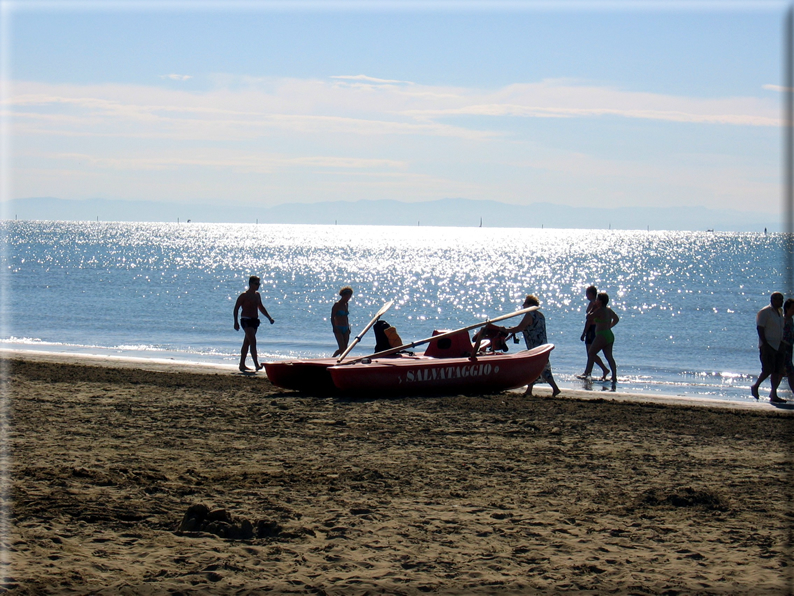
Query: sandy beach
[[135, 478]]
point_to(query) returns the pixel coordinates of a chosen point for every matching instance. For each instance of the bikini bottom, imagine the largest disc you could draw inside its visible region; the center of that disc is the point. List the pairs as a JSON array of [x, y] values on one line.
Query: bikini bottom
[[607, 335]]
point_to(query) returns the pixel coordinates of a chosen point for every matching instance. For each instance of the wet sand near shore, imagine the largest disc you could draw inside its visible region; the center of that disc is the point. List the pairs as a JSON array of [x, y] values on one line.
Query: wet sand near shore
[[302, 494]]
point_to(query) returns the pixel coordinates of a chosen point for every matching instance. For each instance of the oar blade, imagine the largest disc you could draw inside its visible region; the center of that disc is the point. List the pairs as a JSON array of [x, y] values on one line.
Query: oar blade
[[358, 337], [382, 311]]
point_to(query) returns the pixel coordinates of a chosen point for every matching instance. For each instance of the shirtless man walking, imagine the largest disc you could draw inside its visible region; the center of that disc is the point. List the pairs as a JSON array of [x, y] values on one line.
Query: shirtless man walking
[[251, 304]]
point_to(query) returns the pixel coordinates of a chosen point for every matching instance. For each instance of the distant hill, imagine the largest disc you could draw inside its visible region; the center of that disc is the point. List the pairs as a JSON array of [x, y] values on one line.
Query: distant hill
[[444, 212]]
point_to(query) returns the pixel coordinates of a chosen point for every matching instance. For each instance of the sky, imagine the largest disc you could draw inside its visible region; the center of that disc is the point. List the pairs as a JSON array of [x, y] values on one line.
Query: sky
[[264, 103]]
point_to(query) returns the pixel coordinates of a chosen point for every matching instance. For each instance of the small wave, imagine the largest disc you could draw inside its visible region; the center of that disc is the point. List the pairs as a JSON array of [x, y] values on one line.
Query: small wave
[[39, 342], [138, 348], [725, 375], [697, 386]]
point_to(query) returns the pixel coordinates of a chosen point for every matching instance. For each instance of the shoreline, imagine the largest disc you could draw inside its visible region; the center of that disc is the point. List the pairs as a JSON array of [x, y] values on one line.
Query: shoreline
[[169, 365]]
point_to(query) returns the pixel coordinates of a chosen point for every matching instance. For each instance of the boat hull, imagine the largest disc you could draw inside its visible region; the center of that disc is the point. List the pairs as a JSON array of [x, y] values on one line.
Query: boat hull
[[420, 374], [302, 375]]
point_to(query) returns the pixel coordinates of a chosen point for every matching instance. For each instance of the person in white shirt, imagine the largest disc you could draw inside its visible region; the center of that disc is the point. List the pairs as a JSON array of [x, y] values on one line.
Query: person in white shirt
[[769, 323]]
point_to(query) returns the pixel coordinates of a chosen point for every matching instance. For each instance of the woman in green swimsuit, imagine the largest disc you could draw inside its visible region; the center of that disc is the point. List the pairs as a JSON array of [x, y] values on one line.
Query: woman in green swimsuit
[[604, 319]]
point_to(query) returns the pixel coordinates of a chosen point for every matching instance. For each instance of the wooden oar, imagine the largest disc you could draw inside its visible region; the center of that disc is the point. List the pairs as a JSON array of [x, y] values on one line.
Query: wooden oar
[[523, 311], [358, 337]]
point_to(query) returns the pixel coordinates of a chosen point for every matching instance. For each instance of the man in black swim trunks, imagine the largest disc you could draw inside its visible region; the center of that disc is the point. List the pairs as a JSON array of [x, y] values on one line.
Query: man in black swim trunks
[[251, 304]]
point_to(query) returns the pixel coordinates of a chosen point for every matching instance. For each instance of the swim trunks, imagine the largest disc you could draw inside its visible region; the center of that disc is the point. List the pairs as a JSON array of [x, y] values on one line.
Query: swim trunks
[[589, 335], [249, 322], [772, 360]]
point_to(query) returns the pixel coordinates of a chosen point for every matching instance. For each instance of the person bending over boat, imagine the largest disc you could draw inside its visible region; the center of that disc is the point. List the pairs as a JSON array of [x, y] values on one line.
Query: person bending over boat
[[339, 322], [533, 327], [251, 304], [604, 319]]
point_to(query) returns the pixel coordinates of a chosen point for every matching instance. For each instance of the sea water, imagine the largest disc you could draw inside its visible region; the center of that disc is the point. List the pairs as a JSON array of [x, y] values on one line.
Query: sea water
[[686, 300]]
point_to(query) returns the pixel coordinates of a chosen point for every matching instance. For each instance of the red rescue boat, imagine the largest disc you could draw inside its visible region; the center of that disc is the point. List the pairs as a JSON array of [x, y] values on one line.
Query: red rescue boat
[[438, 371], [445, 367]]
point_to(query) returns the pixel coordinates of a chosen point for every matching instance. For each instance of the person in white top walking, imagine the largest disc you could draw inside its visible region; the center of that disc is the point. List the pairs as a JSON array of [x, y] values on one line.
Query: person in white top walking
[[769, 323]]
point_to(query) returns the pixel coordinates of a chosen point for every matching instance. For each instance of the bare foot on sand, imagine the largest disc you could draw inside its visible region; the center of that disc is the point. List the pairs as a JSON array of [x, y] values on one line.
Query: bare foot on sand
[[754, 391], [244, 368], [776, 400]]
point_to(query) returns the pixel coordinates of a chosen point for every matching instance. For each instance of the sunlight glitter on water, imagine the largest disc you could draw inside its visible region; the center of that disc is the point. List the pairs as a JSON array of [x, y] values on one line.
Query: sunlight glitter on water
[[686, 300]]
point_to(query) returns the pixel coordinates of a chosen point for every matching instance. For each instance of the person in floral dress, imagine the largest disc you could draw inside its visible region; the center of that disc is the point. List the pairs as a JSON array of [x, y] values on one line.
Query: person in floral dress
[[533, 327]]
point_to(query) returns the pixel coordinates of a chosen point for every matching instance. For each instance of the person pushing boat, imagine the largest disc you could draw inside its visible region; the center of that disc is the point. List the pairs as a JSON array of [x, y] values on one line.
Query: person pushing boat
[[533, 327]]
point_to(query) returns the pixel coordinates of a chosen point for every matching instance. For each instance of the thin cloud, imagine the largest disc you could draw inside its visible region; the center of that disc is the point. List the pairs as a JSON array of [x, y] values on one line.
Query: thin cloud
[[562, 99], [230, 129], [297, 106], [357, 136], [552, 112], [779, 88], [226, 160], [176, 77], [316, 107], [362, 77]]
